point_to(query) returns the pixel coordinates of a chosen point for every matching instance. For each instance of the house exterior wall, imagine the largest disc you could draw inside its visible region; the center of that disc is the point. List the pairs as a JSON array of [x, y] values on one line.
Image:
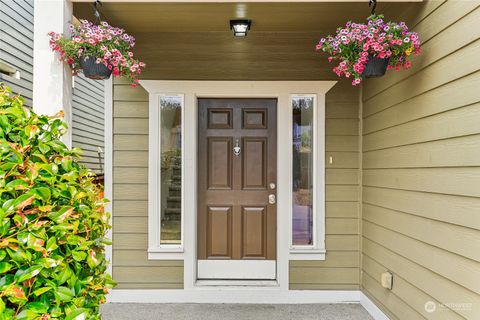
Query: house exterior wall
[[88, 121], [16, 49], [340, 269], [16, 44], [421, 172], [132, 269]]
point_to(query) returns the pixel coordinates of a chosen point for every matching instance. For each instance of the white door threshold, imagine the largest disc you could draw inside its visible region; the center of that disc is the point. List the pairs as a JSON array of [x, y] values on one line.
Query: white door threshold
[[237, 270], [236, 283]]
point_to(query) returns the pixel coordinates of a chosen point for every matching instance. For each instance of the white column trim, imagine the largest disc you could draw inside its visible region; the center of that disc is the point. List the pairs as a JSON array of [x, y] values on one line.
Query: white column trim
[[108, 163], [52, 80]]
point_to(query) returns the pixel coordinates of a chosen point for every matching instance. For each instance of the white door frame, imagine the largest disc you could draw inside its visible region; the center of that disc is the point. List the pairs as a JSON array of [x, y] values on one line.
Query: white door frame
[[192, 90]]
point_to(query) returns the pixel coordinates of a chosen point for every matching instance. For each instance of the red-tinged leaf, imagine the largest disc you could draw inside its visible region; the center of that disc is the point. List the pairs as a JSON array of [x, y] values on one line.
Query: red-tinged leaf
[[24, 201]]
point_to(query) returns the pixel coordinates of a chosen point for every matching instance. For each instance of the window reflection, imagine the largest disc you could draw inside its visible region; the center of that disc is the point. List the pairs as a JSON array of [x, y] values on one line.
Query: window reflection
[[171, 168], [302, 223]]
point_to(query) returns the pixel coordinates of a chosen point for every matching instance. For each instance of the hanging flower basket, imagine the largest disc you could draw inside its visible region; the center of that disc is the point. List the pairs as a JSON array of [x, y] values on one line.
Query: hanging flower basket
[[93, 70], [366, 50], [375, 67], [98, 51]]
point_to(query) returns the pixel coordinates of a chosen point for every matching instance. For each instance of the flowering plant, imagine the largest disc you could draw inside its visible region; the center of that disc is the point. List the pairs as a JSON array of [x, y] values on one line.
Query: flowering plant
[[109, 45], [356, 42]]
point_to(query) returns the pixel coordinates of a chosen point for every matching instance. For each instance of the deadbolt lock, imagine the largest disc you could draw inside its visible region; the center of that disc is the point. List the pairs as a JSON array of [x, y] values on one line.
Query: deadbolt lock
[[272, 199], [272, 186]]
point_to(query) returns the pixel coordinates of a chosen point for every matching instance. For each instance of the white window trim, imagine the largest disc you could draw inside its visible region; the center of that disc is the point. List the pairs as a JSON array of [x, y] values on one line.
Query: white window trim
[[192, 90], [316, 251], [155, 249]]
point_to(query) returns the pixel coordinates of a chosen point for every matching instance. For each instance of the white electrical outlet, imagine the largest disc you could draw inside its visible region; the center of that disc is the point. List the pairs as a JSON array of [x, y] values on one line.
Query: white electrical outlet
[[387, 280]]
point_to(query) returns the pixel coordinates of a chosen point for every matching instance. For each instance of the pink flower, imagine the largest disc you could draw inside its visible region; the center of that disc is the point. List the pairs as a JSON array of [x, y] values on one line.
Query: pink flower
[[356, 81]]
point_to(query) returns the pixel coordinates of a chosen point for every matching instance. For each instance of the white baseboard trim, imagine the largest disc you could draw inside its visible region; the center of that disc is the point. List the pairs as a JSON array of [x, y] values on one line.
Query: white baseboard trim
[[372, 308], [233, 295]]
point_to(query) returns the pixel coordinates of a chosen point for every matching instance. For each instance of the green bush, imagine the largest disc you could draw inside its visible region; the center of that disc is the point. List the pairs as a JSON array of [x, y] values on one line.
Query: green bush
[[52, 222]]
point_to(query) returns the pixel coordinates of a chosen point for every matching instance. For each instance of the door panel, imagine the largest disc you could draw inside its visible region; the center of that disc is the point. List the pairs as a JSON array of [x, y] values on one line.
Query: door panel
[[254, 163], [219, 232], [236, 164], [254, 232], [219, 163]]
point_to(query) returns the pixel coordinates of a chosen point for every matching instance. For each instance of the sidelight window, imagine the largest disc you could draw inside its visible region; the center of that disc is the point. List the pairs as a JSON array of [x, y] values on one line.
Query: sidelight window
[[171, 169], [307, 224], [302, 167]]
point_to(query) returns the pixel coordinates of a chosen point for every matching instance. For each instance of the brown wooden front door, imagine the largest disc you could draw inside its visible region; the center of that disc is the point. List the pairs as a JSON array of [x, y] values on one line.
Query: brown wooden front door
[[237, 177]]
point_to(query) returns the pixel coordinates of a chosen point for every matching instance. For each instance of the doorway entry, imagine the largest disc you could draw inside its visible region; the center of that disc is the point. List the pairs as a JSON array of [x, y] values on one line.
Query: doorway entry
[[237, 184]]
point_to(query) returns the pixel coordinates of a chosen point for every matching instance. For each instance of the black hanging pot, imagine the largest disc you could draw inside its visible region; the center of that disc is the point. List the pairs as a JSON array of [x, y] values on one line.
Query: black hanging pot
[[375, 67], [93, 70]]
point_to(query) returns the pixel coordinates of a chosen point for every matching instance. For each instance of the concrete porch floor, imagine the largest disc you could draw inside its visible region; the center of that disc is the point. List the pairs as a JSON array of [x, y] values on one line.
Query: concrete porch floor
[[139, 311]]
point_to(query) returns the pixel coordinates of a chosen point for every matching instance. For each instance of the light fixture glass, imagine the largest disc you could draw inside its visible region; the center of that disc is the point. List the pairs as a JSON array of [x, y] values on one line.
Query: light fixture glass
[[240, 27]]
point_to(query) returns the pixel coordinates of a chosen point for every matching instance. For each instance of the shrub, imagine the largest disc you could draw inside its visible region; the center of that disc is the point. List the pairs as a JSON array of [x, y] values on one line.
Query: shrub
[[52, 222]]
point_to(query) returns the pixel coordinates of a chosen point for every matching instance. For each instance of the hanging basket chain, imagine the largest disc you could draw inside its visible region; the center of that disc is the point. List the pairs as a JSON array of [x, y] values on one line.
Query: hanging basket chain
[[96, 12], [373, 5]]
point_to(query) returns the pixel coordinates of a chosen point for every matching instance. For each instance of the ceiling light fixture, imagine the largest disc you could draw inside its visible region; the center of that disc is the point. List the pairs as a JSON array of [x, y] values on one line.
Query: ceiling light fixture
[[240, 27]]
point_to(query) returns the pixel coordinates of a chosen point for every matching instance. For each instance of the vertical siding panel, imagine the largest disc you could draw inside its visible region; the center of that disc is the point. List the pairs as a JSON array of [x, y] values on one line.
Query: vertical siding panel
[[88, 121], [419, 143], [16, 45]]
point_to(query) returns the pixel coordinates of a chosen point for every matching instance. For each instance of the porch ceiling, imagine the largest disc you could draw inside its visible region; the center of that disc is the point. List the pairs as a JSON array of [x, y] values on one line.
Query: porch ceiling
[[193, 40]]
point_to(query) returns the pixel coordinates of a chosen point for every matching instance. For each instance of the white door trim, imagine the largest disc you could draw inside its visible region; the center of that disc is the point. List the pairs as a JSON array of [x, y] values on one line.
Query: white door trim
[[192, 90]]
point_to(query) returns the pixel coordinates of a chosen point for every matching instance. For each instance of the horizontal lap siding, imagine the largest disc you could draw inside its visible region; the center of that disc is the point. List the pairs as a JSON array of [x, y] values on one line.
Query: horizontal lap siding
[[421, 172], [131, 267], [341, 269], [88, 121], [16, 45]]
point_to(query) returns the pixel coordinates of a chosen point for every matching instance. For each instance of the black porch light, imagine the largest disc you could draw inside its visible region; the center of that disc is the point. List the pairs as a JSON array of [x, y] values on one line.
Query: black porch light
[[240, 27]]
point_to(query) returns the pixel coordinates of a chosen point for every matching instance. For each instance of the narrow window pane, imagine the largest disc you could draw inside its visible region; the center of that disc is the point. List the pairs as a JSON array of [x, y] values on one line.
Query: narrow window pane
[[302, 224], [171, 168]]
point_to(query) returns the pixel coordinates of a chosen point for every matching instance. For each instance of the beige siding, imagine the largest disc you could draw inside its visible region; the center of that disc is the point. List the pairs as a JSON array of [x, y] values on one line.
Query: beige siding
[[340, 270], [421, 171], [131, 268]]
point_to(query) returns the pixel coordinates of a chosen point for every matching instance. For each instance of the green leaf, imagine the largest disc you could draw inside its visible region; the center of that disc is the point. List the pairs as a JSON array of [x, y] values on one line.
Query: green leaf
[[37, 307], [61, 214], [17, 184], [47, 262], [29, 273], [41, 291], [3, 254], [42, 193], [79, 255], [64, 293], [77, 314], [26, 315], [64, 275], [4, 267], [51, 244], [43, 147]]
